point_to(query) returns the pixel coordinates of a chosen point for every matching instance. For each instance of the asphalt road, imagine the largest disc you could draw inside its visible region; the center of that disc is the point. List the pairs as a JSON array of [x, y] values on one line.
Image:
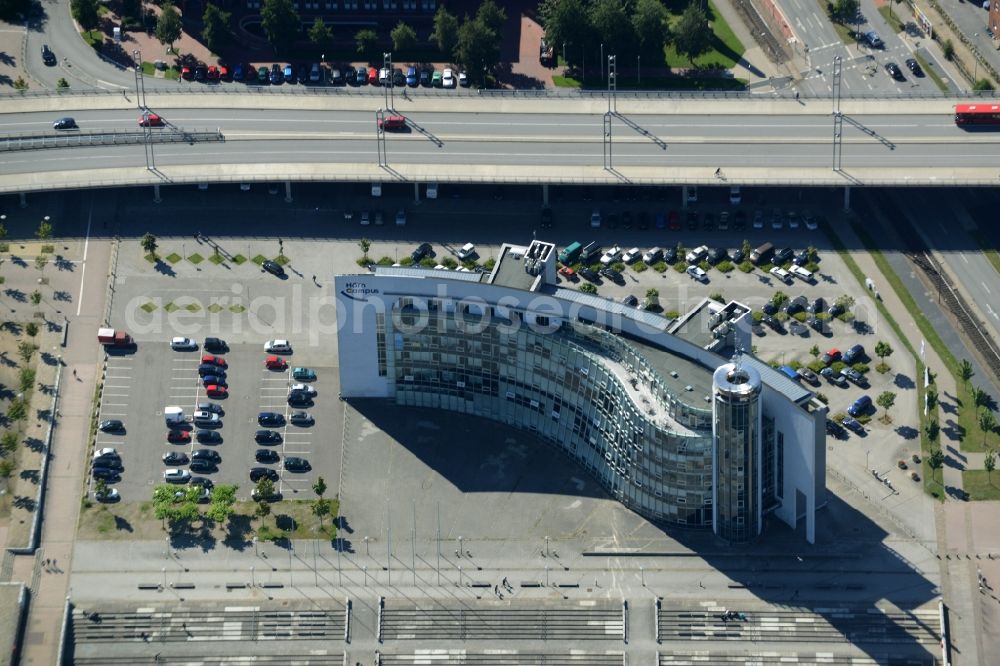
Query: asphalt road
[[905, 144]]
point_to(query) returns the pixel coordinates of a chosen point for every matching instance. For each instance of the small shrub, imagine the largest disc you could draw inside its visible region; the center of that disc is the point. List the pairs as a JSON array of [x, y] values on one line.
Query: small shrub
[[588, 288], [725, 267], [746, 267], [837, 366], [882, 368], [781, 316], [756, 315], [861, 367], [6, 468], [948, 50], [406, 261], [671, 314], [62, 84], [812, 267], [815, 366], [385, 261], [618, 266], [362, 261], [794, 365], [660, 267], [449, 262], [800, 316], [428, 262], [822, 398], [717, 296], [639, 267], [704, 265], [489, 264], [680, 267]]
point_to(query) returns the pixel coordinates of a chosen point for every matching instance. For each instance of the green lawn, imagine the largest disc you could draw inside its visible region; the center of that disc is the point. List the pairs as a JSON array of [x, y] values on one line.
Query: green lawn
[[726, 48], [93, 37], [980, 485]]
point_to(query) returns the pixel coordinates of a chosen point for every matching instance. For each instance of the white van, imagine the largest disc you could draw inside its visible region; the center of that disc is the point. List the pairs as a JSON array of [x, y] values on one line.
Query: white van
[[698, 274], [173, 415], [781, 274], [696, 255], [467, 252], [376, 189], [653, 255], [432, 190], [801, 273]]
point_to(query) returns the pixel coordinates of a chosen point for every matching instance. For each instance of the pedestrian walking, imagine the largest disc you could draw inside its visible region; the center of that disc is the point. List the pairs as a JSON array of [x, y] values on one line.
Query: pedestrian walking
[[74, 372], [718, 172], [496, 590]]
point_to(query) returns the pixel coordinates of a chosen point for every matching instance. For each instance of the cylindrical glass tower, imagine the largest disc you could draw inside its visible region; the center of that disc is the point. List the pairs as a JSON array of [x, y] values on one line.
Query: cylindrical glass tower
[[736, 453]]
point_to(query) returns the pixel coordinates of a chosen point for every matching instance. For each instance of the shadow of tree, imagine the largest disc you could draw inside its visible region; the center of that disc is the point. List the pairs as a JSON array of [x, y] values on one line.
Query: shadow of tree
[[33, 443], [31, 475], [903, 381], [907, 432], [15, 294], [48, 358], [122, 524], [163, 268], [238, 531]]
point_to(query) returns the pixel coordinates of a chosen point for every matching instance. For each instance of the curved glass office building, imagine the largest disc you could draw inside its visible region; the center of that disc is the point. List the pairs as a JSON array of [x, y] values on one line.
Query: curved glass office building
[[628, 394]]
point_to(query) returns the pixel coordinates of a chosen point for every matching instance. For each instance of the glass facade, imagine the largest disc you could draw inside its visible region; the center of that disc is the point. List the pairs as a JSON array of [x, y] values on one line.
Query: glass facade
[[579, 388], [737, 453]]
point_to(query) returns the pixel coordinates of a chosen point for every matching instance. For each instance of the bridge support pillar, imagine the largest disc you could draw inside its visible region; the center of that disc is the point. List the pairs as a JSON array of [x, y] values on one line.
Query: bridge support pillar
[[684, 197], [416, 193], [847, 197], [288, 191], [545, 194], [156, 193], [24, 200]]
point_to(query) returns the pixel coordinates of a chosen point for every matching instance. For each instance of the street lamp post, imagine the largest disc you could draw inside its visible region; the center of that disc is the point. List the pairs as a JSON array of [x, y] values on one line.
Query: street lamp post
[[387, 65], [975, 60], [601, 61]]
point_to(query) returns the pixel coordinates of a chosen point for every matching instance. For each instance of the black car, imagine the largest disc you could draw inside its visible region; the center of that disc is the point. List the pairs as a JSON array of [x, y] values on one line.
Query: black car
[[816, 306], [835, 429], [277, 76], [738, 256], [740, 220], [270, 419], [802, 258], [105, 473], [546, 221], [293, 464], [273, 267], [299, 399], [425, 76], [206, 454], [175, 458], [48, 57], [643, 220], [301, 419], [202, 481], [266, 456], [816, 324], [203, 466], [423, 250], [708, 223], [914, 67], [267, 437], [208, 436], [612, 274], [111, 425], [206, 369], [835, 310], [769, 308], [64, 124], [109, 462], [303, 71], [783, 256], [588, 274], [398, 78], [894, 71], [215, 345], [795, 328], [797, 304], [201, 73], [670, 255], [631, 301], [774, 324], [612, 221], [692, 220], [258, 473], [716, 255], [337, 77]]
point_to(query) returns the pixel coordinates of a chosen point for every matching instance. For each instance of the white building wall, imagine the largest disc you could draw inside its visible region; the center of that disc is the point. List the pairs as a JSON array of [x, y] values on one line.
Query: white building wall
[[357, 339]]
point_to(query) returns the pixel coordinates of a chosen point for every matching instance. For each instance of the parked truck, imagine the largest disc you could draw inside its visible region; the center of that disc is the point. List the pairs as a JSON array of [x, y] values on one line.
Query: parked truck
[[174, 416], [113, 337]]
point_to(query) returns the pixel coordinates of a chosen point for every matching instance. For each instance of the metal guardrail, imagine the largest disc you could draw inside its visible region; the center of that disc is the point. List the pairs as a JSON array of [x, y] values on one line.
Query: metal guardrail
[[42, 140], [546, 93]]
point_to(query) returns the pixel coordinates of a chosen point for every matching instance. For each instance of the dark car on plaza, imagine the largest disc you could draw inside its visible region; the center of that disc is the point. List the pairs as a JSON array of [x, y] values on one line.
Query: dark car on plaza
[[295, 464], [270, 419], [267, 437], [266, 456], [273, 267], [258, 473]]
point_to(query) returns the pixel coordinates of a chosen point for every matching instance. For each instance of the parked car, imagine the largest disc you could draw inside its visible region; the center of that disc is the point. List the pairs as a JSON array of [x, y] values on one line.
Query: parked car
[[178, 436], [258, 473], [301, 419], [853, 424], [270, 419], [783, 256], [854, 376], [630, 301], [632, 256], [304, 374], [107, 495], [295, 464], [914, 67], [267, 437], [210, 359], [175, 458], [611, 255], [203, 466], [832, 377], [796, 305], [48, 57], [278, 347], [697, 273], [860, 406], [206, 454], [817, 306], [266, 456], [208, 436], [854, 354], [275, 363], [423, 250], [273, 267], [808, 375], [217, 391], [183, 344], [111, 425], [176, 476], [830, 357], [206, 419], [774, 324]]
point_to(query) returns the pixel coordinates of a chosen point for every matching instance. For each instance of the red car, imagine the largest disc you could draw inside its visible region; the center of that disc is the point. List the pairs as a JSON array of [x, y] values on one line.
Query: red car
[[214, 360], [372, 76], [275, 363], [392, 123], [223, 73], [178, 436], [186, 73], [213, 73], [152, 120], [674, 221], [216, 391]]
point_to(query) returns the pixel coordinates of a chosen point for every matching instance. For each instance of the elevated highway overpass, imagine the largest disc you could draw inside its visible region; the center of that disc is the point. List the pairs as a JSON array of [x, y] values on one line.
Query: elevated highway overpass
[[670, 141]]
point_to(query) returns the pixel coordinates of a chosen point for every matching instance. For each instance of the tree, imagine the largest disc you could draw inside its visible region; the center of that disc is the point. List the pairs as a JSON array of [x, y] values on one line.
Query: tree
[[25, 350], [649, 22], [62, 83], [885, 400], [610, 20], [85, 12], [223, 498], [365, 40], [983, 84], [492, 16], [478, 49], [168, 25], [41, 260], [936, 460], [882, 350], [932, 397], [36, 297], [31, 329], [281, 23], [319, 33], [566, 22], [100, 488], [445, 33], [746, 249], [20, 83], [215, 30], [148, 243], [132, 9], [3, 231], [321, 507], [44, 231], [12, 10], [990, 464], [265, 488], [987, 422], [365, 245], [652, 298], [17, 410], [814, 351], [979, 397], [319, 487], [263, 509], [965, 371], [692, 35], [8, 442], [844, 11], [933, 429], [403, 36]]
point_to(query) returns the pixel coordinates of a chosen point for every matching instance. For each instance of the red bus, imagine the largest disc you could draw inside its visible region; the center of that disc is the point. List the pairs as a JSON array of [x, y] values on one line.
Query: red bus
[[977, 114]]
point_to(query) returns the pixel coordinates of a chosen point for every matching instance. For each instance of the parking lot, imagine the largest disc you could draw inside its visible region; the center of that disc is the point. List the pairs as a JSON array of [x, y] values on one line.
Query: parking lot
[[141, 384]]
